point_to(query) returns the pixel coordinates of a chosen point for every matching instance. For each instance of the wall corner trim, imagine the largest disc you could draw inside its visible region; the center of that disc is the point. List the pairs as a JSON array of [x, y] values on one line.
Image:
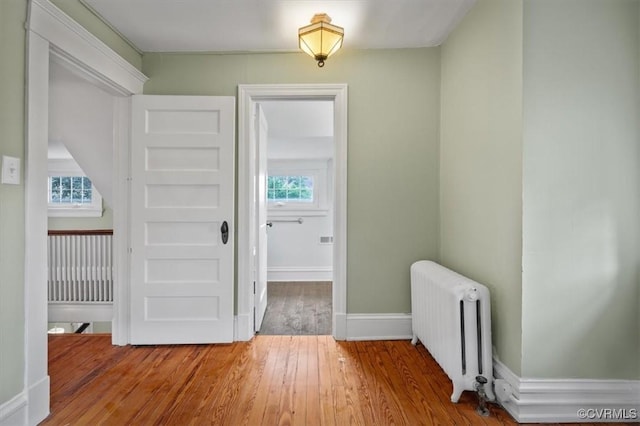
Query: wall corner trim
[[531, 400]]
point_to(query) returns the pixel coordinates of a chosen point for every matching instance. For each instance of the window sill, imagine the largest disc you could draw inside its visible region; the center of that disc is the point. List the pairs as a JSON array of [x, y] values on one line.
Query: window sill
[[280, 212], [74, 212]]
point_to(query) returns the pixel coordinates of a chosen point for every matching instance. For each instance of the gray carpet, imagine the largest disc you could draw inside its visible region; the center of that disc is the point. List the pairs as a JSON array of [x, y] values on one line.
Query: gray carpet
[[298, 308]]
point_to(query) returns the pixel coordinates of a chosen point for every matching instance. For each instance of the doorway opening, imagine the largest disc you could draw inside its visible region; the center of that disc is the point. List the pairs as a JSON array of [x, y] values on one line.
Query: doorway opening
[[299, 216], [293, 165], [80, 192]]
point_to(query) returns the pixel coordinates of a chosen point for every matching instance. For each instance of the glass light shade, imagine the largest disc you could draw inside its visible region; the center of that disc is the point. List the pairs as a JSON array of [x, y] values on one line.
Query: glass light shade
[[320, 39]]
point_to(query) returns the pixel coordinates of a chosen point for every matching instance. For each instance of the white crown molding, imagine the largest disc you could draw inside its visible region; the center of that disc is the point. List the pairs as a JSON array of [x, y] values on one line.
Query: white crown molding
[[566, 400], [111, 26], [73, 43]]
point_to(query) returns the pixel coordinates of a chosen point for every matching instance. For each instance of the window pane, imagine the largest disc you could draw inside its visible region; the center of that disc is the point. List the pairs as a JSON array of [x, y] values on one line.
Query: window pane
[[280, 194], [293, 195], [293, 182], [65, 183], [70, 190], [76, 182], [306, 195], [290, 188], [55, 184], [54, 189]]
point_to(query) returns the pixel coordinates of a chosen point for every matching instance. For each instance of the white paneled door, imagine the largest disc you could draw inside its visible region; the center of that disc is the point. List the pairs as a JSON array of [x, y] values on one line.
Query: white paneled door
[[182, 189]]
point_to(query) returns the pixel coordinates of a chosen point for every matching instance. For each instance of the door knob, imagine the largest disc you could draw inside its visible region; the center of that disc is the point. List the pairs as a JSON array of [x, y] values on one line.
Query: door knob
[[224, 231]]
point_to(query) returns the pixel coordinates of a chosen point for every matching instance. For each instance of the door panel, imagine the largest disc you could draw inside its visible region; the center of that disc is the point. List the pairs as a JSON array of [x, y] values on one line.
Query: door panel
[[182, 170]]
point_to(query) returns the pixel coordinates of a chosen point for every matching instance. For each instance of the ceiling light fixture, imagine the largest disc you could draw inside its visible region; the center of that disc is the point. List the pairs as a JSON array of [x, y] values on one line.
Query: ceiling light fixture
[[320, 39]]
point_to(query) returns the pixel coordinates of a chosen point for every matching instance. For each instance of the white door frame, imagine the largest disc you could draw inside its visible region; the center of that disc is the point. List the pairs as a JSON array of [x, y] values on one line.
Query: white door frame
[[248, 95], [53, 36]]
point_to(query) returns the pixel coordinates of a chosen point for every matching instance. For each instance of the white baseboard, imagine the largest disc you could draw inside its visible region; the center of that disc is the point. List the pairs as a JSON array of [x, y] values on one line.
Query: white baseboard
[[340, 326], [14, 411], [378, 326], [242, 328], [29, 407], [80, 312], [351, 327], [566, 400], [38, 407], [296, 273]]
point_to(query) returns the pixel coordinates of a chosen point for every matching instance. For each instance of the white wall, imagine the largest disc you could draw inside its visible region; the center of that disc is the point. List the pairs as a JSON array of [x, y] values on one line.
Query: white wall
[[300, 139], [581, 180], [295, 252], [81, 118]]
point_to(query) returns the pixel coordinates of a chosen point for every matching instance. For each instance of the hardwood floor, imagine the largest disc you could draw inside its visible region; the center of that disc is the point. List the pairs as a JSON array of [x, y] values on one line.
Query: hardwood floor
[[272, 380]]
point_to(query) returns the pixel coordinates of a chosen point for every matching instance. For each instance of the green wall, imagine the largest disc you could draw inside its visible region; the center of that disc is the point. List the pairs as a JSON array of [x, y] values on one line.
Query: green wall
[[394, 101], [481, 162], [13, 14], [98, 28], [581, 238]]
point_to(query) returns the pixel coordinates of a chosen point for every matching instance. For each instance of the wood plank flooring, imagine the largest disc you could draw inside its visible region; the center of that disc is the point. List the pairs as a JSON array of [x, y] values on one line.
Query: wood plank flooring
[[297, 308], [271, 380]]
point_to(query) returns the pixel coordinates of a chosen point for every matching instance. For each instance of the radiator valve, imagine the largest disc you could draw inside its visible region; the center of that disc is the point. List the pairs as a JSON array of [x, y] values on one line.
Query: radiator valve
[[471, 294], [482, 396]]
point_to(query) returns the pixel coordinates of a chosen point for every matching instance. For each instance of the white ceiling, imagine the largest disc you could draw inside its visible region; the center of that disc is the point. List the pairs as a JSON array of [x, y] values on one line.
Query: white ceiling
[[299, 129], [272, 25]]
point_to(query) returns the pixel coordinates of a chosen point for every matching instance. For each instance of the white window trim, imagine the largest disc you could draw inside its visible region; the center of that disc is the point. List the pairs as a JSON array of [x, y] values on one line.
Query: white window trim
[[318, 169], [68, 167]]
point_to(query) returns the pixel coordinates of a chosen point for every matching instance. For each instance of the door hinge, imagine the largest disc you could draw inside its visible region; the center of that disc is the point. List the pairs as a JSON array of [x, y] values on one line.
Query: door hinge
[[254, 287]]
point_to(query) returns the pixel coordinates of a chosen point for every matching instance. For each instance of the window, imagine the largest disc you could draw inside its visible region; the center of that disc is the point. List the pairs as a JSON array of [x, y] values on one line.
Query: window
[[287, 189], [70, 190], [298, 187], [73, 196]]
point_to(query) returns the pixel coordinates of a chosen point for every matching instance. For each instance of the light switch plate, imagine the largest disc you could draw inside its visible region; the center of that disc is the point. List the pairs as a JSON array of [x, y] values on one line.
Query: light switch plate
[[10, 170]]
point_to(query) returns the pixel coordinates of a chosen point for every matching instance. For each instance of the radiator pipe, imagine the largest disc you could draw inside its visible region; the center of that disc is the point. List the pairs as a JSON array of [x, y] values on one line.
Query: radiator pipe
[[482, 396]]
